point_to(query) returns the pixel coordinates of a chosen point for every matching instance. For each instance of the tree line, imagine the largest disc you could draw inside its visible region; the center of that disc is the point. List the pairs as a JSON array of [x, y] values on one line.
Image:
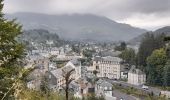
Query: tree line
[[153, 57]]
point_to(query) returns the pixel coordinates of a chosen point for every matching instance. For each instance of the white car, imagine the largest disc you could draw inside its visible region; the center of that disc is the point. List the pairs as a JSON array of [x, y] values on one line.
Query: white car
[[145, 87]]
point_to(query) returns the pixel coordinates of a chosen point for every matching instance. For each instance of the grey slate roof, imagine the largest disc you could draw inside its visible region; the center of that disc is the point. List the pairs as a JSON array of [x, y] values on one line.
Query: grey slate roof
[[110, 53], [108, 58], [57, 73], [75, 62], [67, 68], [104, 83]]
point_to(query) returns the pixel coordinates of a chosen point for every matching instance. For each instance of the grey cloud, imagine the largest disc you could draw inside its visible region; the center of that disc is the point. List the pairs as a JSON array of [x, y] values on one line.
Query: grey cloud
[[119, 10], [151, 6]]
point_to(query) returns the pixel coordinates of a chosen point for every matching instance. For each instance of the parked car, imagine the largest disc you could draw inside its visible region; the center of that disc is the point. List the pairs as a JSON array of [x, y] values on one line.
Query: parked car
[[122, 99], [145, 87]]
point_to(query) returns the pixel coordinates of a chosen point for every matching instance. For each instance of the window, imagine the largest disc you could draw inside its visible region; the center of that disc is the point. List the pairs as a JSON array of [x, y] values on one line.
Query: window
[[105, 88], [97, 67], [104, 74]]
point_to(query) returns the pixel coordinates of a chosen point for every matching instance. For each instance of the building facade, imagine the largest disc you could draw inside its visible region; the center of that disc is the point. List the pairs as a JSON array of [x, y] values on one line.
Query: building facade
[[136, 76], [75, 64], [107, 67], [57, 80]]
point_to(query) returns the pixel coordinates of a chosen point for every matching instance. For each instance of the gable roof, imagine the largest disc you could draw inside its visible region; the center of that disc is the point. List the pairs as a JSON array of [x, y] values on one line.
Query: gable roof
[[75, 61], [57, 73]]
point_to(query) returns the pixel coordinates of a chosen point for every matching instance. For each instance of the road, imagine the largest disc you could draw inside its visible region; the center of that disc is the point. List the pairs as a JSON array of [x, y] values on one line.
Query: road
[[155, 91], [119, 95]]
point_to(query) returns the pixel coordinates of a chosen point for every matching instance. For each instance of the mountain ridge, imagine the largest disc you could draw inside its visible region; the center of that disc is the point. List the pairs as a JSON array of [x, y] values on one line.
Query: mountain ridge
[[78, 26]]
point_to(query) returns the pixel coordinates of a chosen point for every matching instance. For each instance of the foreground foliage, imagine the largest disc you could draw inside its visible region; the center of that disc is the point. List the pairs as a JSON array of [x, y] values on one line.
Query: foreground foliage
[[11, 53]]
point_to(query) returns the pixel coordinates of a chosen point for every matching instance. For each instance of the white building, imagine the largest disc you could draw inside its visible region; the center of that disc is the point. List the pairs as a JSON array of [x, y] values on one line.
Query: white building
[[136, 76], [107, 67], [166, 93]]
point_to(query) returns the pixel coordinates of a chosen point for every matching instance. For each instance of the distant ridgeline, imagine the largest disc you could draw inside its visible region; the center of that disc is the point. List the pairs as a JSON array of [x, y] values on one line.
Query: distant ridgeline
[[164, 30], [78, 27]]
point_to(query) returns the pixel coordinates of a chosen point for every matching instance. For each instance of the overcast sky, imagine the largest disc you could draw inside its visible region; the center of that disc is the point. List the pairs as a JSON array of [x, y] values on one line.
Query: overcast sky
[[147, 14]]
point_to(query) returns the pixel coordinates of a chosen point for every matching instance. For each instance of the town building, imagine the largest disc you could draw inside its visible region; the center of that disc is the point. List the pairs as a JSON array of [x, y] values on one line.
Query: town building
[[57, 80], [136, 76], [104, 88], [107, 67], [35, 77], [166, 94], [75, 64]]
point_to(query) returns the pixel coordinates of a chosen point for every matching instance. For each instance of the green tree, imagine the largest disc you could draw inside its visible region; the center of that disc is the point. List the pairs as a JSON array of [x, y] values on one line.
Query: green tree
[[11, 53], [129, 56], [121, 47], [158, 57], [95, 72], [148, 44], [94, 97], [155, 68], [76, 49], [167, 74], [168, 51], [88, 53], [145, 49]]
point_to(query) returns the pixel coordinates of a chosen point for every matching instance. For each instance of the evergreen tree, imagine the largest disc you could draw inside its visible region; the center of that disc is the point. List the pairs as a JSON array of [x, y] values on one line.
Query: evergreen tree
[[145, 49], [121, 47], [167, 74], [11, 53], [147, 46], [129, 56]]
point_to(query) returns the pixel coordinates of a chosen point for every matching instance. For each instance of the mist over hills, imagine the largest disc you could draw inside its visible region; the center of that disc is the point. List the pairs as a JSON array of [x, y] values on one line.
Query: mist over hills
[[78, 27], [138, 39], [165, 30]]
